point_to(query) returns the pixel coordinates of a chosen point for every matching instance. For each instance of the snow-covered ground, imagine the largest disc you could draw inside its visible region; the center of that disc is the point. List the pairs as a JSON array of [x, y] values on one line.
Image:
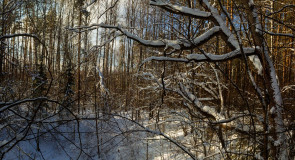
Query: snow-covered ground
[[118, 138]]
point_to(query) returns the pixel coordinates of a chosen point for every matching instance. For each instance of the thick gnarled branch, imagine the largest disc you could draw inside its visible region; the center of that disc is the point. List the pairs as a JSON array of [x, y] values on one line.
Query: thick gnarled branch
[[208, 57], [161, 43]]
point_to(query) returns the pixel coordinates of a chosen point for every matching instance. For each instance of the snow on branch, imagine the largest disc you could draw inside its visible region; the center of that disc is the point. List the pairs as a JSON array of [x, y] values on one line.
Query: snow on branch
[[279, 34], [208, 57], [178, 44], [204, 109], [181, 9], [203, 38], [276, 110], [175, 44], [256, 62], [162, 58], [217, 117], [216, 58], [219, 21], [151, 77], [231, 119], [213, 15], [289, 87], [151, 43]]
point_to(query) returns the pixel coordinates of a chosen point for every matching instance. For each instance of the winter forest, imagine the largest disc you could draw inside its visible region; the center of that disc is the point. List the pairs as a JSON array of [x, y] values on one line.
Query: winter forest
[[147, 79]]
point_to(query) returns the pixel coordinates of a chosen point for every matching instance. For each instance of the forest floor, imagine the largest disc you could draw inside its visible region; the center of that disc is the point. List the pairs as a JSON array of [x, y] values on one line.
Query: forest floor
[[118, 138]]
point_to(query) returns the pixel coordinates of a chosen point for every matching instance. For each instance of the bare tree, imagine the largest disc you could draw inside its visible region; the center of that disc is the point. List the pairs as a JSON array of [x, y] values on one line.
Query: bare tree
[[248, 42]]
